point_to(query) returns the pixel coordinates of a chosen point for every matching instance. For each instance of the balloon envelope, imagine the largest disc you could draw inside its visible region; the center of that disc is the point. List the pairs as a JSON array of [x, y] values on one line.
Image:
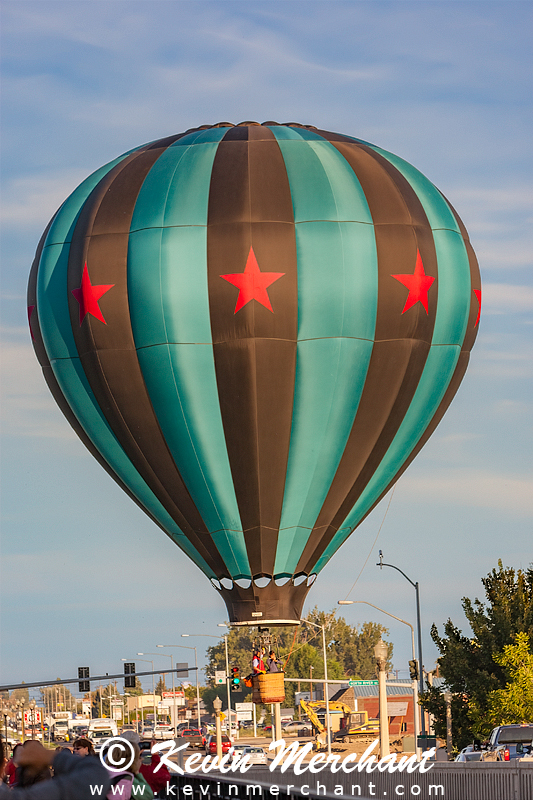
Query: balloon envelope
[[254, 329]]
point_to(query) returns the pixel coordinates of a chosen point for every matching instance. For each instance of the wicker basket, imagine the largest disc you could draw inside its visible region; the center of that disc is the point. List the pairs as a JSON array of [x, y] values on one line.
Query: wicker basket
[[268, 688]]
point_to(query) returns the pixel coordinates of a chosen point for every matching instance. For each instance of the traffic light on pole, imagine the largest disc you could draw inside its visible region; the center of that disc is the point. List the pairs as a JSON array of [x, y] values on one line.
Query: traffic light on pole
[[235, 679], [413, 669], [83, 674], [129, 675]]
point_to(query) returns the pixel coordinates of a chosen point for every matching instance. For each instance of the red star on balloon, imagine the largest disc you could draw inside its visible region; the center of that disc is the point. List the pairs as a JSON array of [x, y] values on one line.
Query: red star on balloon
[[252, 283], [477, 292], [418, 284], [88, 296]]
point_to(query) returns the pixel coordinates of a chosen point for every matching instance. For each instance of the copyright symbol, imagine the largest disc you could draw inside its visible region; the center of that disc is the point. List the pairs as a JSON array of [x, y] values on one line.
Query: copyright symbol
[[117, 754]]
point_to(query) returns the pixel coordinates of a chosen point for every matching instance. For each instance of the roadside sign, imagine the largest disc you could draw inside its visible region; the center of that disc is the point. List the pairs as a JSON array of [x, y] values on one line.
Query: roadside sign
[[220, 676], [396, 709], [32, 716], [244, 707], [363, 683], [244, 716]]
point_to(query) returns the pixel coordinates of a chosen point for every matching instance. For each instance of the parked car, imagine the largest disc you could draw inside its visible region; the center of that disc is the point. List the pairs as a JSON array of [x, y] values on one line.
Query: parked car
[[469, 754], [163, 731], [528, 756], [255, 755], [147, 732], [211, 745], [296, 728], [236, 751], [508, 743], [193, 736]]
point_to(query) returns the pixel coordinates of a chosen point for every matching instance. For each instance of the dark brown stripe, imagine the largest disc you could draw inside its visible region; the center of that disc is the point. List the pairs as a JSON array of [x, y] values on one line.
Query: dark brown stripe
[[107, 351], [255, 349], [450, 393], [401, 340], [53, 385]]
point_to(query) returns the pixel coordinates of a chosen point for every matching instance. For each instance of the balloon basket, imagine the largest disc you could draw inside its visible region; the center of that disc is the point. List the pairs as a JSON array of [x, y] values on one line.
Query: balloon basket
[[268, 688]]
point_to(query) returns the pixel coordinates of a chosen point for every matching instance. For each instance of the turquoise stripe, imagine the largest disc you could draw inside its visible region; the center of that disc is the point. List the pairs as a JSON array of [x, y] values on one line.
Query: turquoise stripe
[[182, 385], [170, 316], [176, 190], [330, 376], [337, 280], [337, 306], [454, 288], [438, 371], [323, 185], [167, 286], [71, 378]]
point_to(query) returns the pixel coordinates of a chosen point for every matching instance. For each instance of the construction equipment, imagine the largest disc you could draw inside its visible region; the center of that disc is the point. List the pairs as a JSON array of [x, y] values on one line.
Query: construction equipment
[[351, 723]]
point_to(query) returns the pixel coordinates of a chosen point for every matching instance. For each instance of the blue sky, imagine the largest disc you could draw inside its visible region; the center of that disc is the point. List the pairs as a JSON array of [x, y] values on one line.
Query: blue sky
[[87, 579]]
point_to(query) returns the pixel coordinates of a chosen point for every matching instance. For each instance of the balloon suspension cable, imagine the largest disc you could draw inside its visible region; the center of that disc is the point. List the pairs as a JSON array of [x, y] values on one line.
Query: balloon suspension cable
[[292, 647], [374, 542]]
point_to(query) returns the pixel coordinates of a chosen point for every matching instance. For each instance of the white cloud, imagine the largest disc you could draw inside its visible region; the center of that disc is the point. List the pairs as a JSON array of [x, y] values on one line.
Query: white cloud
[[512, 494], [28, 408], [32, 200], [501, 298]]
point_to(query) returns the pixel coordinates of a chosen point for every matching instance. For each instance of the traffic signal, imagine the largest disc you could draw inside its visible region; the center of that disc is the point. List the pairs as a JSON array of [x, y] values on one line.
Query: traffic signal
[[83, 674], [129, 675], [235, 679], [413, 669]]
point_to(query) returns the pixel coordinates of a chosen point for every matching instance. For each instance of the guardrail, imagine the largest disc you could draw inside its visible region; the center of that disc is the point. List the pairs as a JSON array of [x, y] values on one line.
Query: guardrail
[[451, 781]]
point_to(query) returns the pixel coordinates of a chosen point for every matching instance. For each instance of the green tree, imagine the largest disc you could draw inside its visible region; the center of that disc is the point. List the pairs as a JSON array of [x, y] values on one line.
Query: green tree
[[20, 694], [514, 703], [58, 698], [160, 686], [138, 688], [467, 663]]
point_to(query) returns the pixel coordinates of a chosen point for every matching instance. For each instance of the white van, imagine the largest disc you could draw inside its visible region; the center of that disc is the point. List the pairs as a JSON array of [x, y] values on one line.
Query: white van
[[100, 730]]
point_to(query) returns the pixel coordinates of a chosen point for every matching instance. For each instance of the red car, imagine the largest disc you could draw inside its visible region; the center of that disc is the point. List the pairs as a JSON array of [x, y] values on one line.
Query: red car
[[211, 745]]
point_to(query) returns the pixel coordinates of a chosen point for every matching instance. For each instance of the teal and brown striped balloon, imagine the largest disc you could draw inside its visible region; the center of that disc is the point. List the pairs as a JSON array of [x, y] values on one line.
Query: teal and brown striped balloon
[[255, 329]]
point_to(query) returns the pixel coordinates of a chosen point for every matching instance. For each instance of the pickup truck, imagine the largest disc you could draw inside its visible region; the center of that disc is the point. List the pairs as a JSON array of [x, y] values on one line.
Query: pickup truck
[[193, 736], [508, 742]]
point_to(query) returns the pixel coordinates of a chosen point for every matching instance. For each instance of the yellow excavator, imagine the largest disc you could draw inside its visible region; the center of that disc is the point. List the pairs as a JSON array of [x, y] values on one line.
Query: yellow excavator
[[351, 723]]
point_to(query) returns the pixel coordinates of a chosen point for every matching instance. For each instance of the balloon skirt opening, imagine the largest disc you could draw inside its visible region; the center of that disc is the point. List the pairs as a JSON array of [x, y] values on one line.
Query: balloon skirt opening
[[268, 606]]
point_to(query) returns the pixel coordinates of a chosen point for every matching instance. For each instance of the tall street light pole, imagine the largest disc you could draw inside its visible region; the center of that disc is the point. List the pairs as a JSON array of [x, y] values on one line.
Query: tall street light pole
[[326, 692], [186, 647], [380, 564], [225, 636], [166, 655], [380, 652], [414, 683]]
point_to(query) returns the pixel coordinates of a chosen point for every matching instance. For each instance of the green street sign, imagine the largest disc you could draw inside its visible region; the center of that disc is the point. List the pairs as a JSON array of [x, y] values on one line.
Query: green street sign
[[363, 683]]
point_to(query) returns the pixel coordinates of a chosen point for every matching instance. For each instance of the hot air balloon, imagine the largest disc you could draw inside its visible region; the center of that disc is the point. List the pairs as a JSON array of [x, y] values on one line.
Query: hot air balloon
[[254, 329]]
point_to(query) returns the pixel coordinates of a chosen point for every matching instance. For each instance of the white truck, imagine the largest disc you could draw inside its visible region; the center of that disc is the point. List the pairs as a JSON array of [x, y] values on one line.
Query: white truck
[[100, 730], [60, 729]]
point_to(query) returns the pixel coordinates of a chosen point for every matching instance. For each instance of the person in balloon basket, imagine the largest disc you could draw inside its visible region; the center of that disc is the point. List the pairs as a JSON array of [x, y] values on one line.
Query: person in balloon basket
[[273, 664], [258, 665]]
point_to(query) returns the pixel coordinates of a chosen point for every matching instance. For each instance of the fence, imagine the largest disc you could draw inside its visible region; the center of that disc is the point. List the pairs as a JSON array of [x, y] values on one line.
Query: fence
[[451, 781]]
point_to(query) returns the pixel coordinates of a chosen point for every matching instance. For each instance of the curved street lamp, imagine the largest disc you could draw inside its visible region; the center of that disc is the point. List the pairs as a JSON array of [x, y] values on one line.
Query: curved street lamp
[[380, 564]]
